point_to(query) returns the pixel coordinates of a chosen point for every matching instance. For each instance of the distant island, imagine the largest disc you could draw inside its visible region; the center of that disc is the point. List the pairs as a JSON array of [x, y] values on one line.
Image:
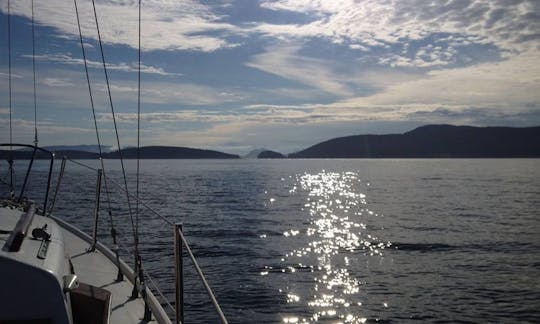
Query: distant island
[[79, 148], [170, 152], [430, 141], [146, 152], [433, 141]]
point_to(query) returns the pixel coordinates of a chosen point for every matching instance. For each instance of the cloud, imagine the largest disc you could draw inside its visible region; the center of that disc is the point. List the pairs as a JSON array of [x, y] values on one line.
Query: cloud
[[13, 75], [510, 27], [255, 113], [425, 57], [511, 84], [123, 67], [161, 92], [500, 90], [173, 117], [513, 27], [496, 92], [166, 25], [23, 131], [66, 88], [166, 93], [301, 94], [343, 63], [283, 60], [56, 82], [263, 114]]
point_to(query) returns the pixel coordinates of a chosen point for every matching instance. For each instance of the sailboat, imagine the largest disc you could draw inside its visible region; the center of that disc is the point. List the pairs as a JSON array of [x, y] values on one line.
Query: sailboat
[[52, 272]]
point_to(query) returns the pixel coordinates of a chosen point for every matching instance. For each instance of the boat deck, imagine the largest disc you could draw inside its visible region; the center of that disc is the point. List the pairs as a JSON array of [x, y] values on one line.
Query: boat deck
[[96, 269]]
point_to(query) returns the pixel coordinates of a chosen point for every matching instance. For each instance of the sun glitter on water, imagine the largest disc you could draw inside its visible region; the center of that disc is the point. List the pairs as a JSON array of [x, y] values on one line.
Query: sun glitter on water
[[335, 233]]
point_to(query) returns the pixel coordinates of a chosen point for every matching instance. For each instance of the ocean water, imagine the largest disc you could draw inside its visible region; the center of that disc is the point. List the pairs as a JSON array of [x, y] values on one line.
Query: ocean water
[[329, 241]]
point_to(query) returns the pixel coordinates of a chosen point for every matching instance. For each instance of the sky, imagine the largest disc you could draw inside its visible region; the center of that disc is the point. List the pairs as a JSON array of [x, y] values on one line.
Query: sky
[[235, 75]]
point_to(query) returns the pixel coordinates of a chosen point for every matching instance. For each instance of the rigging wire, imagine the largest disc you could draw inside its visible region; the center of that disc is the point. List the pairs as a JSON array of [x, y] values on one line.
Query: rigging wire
[[34, 73], [97, 131], [138, 259], [115, 130], [138, 132], [100, 151], [164, 298], [10, 160], [122, 188], [184, 240], [9, 71], [91, 100], [138, 267]]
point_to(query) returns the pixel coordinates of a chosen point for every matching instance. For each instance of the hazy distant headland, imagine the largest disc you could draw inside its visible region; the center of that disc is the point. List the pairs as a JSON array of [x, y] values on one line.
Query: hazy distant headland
[[431, 141], [268, 154]]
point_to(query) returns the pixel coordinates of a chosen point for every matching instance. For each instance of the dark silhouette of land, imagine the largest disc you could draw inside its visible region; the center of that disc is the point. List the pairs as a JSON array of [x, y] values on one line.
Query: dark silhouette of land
[[80, 148], [433, 141], [270, 155], [170, 152], [147, 152], [26, 154]]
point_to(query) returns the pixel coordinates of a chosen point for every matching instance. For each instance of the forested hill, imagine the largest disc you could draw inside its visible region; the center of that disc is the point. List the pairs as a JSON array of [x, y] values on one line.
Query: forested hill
[[433, 141]]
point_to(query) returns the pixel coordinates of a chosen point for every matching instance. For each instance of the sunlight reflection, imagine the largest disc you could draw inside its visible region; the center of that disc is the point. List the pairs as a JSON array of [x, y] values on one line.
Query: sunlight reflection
[[335, 232]]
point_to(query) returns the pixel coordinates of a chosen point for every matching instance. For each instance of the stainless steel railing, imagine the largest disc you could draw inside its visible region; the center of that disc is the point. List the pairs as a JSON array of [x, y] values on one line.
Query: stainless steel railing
[[179, 242]]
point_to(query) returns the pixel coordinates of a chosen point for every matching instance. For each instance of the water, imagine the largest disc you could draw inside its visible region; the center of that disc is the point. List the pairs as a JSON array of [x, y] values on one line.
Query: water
[[327, 241]]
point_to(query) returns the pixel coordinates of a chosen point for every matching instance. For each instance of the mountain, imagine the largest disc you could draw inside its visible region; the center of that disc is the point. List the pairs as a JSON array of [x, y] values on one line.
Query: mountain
[[170, 152], [270, 155], [433, 141]]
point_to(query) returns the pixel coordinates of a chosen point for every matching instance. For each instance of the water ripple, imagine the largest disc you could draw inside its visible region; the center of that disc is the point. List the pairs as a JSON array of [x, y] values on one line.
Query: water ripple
[[335, 230]]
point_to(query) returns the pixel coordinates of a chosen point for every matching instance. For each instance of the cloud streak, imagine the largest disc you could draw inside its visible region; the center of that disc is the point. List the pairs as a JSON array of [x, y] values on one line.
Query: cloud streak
[[123, 67], [284, 61]]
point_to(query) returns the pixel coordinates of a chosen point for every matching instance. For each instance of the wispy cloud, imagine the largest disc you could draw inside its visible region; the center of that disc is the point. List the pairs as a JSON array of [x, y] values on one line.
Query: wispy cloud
[[56, 82], [511, 84], [61, 88], [174, 117], [123, 67], [161, 92], [13, 75], [284, 61], [23, 131], [492, 91]]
